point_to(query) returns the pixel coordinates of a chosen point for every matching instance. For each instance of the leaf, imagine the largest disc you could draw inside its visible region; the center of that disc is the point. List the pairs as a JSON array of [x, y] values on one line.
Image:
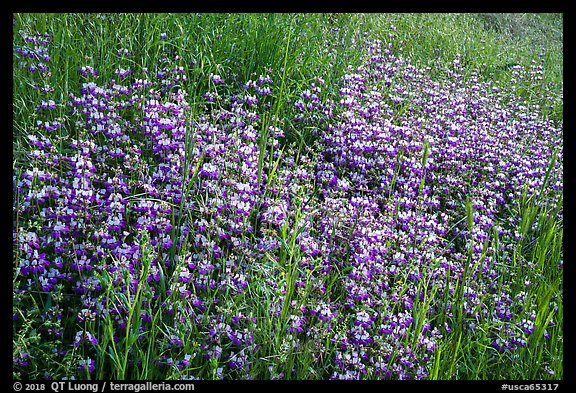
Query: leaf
[[48, 303]]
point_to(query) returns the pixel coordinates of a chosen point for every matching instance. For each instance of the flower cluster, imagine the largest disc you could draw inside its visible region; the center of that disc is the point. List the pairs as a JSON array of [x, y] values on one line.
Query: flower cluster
[[131, 175], [397, 163], [361, 246]]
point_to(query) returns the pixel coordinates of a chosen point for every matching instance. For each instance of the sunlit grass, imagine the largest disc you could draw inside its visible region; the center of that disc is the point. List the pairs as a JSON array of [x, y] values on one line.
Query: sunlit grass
[[161, 337]]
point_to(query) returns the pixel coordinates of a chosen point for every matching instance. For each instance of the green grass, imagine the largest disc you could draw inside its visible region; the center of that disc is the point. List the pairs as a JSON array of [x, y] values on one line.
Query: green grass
[[491, 42], [295, 49], [537, 257]]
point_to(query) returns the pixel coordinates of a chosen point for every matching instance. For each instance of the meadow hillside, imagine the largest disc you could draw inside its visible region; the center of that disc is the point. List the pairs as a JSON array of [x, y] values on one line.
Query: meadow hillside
[[288, 196]]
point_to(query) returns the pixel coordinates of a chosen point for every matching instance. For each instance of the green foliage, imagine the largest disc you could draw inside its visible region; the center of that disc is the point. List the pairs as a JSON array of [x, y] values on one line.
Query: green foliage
[[294, 49]]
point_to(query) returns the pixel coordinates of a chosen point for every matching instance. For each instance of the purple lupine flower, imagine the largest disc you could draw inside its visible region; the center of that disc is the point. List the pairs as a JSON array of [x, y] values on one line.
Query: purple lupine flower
[[82, 336], [87, 364], [216, 79]]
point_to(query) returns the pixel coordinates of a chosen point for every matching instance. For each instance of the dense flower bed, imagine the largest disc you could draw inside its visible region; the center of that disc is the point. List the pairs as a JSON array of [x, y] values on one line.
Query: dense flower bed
[[399, 165], [364, 242]]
